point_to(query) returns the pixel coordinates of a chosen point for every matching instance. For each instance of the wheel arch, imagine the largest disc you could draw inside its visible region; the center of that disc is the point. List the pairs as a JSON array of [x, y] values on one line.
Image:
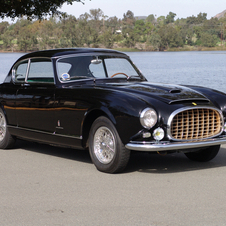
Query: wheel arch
[[4, 111], [90, 117]]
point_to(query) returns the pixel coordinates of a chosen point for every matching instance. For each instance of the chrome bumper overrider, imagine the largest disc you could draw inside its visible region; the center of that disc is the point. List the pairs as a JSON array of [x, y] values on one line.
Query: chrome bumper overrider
[[166, 145]]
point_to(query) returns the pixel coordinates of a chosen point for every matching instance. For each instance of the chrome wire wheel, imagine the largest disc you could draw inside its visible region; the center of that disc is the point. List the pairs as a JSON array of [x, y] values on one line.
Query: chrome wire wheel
[[104, 145], [106, 149], [2, 127]]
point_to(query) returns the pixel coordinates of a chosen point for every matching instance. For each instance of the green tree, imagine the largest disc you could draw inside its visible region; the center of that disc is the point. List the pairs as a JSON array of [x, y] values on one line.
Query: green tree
[[155, 41], [26, 39], [129, 37], [46, 34], [151, 19], [96, 14], [213, 27], [139, 30], [113, 23], [7, 39], [189, 36], [198, 30], [3, 27], [128, 29], [149, 29], [160, 21], [170, 18], [208, 40], [108, 39], [201, 18], [69, 32], [84, 29], [129, 19], [170, 37]]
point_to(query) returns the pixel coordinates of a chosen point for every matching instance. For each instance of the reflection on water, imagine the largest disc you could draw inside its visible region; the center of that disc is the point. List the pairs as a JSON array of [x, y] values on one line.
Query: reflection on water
[[195, 68]]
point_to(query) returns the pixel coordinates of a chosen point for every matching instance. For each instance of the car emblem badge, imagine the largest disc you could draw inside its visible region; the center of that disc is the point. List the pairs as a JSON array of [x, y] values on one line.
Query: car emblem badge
[[194, 103], [65, 76]]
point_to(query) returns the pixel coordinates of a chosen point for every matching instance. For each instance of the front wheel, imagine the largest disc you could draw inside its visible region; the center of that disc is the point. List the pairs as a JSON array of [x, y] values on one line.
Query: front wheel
[[6, 140], [106, 149], [204, 155]]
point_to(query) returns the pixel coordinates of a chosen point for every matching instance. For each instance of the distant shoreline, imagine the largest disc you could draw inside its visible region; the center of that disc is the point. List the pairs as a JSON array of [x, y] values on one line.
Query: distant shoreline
[[180, 49]]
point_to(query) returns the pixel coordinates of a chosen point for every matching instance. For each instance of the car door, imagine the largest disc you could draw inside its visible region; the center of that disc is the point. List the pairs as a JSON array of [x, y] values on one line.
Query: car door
[[71, 105], [35, 97]]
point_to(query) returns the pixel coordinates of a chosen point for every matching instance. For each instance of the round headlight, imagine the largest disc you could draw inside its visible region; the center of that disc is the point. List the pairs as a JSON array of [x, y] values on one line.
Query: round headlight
[[148, 118]]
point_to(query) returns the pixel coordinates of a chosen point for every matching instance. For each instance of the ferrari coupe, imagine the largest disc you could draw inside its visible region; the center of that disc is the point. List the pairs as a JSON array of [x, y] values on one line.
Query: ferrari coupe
[[97, 99]]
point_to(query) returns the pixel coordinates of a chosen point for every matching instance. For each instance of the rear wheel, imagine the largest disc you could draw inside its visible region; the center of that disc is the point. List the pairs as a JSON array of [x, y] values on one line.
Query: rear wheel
[[105, 147], [6, 140], [204, 155]]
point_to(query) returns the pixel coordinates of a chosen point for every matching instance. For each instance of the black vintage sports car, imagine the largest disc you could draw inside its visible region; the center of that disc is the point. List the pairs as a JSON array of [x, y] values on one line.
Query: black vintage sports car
[[97, 99]]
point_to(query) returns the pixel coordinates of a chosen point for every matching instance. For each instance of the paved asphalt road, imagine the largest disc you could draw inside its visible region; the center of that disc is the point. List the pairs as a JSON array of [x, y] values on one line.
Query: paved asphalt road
[[43, 185]]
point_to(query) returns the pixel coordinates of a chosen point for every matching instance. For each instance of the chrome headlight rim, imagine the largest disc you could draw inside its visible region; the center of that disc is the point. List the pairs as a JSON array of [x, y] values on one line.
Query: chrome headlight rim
[[145, 120]]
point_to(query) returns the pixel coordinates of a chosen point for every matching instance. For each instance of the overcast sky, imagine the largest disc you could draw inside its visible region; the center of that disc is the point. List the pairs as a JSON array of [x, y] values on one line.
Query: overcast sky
[[183, 8]]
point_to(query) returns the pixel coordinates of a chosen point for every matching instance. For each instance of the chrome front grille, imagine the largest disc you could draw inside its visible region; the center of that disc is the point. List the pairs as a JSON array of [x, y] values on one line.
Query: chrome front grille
[[195, 123]]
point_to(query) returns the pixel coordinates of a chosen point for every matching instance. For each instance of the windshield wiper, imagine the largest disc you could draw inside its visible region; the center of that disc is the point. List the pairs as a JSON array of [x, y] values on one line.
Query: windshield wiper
[[77, 77], [134, 77]]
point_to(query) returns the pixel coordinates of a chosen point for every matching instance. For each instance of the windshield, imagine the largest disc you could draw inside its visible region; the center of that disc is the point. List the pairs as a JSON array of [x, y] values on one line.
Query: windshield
[[85, 67]]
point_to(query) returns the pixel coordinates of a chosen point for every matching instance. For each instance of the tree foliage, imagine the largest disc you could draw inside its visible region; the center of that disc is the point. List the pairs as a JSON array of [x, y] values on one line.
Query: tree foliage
[[31, 8]]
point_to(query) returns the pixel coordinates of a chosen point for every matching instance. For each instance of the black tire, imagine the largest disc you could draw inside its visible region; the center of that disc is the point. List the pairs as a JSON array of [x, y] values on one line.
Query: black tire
[[6, 140], [106, 149], [204, 155]]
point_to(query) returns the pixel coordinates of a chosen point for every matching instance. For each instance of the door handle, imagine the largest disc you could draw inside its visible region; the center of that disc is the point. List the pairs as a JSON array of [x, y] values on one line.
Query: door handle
[[25, 84]]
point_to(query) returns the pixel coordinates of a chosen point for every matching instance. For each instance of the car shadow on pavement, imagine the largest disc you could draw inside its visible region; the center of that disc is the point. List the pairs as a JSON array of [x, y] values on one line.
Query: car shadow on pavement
[[171, 163], [142, 162], [68, 153]]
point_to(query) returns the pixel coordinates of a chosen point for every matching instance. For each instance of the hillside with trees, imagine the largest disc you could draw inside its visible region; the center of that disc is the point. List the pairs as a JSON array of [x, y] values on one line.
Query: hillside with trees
[[95, 29]]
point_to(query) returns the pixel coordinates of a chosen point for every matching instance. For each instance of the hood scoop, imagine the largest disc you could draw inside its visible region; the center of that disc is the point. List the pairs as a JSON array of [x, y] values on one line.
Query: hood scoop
[[175, 91]]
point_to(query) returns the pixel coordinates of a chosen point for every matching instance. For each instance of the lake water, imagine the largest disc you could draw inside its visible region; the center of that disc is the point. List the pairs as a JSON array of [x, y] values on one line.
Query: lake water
[[195, 68]]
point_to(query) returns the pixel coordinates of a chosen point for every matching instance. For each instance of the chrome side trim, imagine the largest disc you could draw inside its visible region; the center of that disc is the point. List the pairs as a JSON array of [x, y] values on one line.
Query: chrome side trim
[[47, 133], [167, 146], [191, 108]]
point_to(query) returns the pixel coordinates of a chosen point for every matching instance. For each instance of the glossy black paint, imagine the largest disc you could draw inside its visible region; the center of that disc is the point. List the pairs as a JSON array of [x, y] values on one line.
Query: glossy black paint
[[62, 113]]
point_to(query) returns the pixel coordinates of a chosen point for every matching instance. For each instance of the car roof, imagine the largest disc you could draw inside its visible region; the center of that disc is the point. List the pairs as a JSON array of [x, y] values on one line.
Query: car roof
[[67, 51]]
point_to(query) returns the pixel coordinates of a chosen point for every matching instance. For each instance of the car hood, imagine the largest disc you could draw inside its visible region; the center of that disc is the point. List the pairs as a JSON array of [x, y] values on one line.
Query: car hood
[[167, 93]]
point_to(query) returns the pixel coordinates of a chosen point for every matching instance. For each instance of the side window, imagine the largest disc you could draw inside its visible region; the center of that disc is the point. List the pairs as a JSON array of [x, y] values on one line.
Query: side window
[[63, 67], [63, 70], [74, 68], [19, 71], [40, 71]]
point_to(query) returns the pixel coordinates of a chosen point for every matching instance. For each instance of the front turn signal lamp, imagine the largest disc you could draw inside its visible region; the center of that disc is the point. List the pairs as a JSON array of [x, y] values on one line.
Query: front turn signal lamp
[[158, 134]]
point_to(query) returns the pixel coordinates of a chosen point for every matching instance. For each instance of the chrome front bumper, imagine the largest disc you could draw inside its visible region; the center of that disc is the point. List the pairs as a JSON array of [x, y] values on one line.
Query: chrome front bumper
[[167, 146]]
